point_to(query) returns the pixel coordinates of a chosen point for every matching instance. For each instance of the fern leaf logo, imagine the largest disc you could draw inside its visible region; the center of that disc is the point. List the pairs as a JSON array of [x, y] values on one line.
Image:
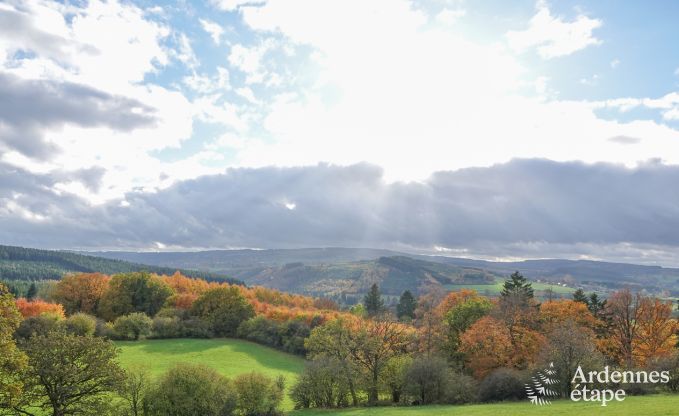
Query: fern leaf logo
[[539, 391]]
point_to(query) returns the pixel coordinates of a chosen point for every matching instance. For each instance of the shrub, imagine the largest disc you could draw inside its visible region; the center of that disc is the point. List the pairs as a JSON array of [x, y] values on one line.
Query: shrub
[[287, 336], [427, 380], [37, 325], [81, 324], [460, 389], [189, 390], [259, 395], [321, 384], [132, 326], [164, 327], [503, 384]]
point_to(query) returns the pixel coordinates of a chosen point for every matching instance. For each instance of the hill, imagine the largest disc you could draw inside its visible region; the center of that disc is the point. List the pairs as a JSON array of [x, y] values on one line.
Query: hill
[[19, 263]]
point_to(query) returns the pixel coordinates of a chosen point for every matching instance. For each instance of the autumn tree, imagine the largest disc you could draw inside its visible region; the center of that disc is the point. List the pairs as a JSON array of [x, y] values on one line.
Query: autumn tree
[[12, 360], [623, 309], [487, 345], [35, 307], [223, 308], [459, 318], [375, 343], [81, 292], [133, 292], [69, 374], [428, 321], [373, 301], [557, 312], [569, 346], [406, 306], [656, 331]]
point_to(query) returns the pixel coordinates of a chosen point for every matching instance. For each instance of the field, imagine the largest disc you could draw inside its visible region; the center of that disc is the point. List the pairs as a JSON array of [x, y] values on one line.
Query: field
[[655, 405], [496, 288], [229, 357]]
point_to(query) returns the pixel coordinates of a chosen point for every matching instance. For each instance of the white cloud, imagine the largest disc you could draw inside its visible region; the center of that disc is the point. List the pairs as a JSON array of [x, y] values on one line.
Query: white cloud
[[553, 36], [449, 16], [250, 60], [229, 5], [215, 30]]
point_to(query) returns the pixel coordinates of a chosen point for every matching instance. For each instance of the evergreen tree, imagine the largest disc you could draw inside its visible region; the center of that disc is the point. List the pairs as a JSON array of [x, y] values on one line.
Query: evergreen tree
[[373, 301], [517, 285], [596, 305], [406, 305], [579, 296], [32, 292]]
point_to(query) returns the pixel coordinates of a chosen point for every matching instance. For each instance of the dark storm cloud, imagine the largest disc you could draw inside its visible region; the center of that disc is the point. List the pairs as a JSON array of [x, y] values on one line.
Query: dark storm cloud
[[521, 207], [29, 107]]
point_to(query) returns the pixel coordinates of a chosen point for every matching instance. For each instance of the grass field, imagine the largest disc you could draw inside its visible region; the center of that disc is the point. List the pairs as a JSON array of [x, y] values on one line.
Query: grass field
[[496, 288], [229, 357], [655, 405]]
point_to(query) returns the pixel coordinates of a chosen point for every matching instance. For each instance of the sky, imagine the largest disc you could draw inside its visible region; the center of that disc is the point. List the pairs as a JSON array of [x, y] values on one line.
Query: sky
[[491, 129]]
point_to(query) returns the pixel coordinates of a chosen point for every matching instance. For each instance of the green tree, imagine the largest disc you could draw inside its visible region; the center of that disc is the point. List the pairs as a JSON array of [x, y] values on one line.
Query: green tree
[[69, 374], [258, 395], [12, 360], [32, 291], [517, 285], [133, 390], [406, 306], [224, 309], [579, 296], [393, 378], [133, 292], [190, 390], [596, 305], [80, 324], [132, 326], [373, 301], [459, 318]]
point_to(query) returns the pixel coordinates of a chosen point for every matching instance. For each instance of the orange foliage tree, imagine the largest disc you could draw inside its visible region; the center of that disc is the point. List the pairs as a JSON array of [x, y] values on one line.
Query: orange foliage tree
[[81, 292], [557, 312], [487, 345], [37, 307]]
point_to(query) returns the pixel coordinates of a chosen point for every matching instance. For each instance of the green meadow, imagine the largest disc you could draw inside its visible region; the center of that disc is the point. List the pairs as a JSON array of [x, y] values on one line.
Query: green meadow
[[654, 405], [230, 357]]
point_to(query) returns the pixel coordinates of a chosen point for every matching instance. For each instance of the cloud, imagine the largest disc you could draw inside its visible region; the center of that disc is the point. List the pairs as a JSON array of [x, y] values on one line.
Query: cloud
[[449, 16], [624, 140], [529, 208], [213, 29], [230, 5], [29, 107], [552, 36]]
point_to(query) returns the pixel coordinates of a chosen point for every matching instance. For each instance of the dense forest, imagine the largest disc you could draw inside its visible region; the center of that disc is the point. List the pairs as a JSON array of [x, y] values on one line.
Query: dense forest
[[19, 263]]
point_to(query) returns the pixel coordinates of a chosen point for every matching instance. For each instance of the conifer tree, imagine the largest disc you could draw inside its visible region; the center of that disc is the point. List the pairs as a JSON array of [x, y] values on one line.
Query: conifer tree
[[373, 301]]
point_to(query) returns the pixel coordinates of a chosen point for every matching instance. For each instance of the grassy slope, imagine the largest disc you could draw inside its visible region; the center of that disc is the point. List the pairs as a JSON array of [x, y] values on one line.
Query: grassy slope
[[655, 405], [229, 357]]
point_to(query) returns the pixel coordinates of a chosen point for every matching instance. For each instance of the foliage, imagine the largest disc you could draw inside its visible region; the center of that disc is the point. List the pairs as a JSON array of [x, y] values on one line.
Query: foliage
[[405, 310], [321, 384], [487, 345], [69, 374], [258, 395], [459, 317], [427, 379], [132, 326], [372, 301], [81, 292], [394, 376], [191, 389], [224, 309], [37, 325], [12, 360], [503, 384], [287, 336], [517, 285], [579, 296], [37, 307], [133, 390], [80, 324], [133, 292]]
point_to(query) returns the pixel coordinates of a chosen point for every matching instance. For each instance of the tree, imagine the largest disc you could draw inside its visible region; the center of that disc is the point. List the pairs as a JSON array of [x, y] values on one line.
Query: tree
[[657, 331], [258, 395], [428, 320], [579, 296], [335, 341], [321, 384], [189, 390], [557, 312], [81, 292], [133, 292], [133, 390], [69, 374], [32, 291], [38, 307], [623, 309], [570, 346], [12, 360], [596, 305], [460, 317], [224, 309], [517, 285], [80, 324], [487, 345], [394, 376], [373, 301], [406, 306], [132, 326], [375, 342]]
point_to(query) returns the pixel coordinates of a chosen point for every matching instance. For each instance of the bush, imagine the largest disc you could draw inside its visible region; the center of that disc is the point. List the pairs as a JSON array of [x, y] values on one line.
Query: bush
[[37, 325], [188, 390], [81, 324], [460, 389], [164, 327], [259, 395], [287, 336], [427, 380], [132, 326], [321, 384], [503, 384]]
